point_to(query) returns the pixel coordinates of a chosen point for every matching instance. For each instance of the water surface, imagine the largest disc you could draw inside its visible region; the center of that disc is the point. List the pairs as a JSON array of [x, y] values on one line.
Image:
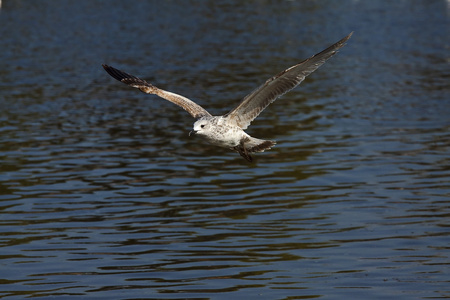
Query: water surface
[[104, 195]]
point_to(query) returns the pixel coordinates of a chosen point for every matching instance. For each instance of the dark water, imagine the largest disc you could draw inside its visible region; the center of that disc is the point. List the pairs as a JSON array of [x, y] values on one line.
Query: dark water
[[104, 196]]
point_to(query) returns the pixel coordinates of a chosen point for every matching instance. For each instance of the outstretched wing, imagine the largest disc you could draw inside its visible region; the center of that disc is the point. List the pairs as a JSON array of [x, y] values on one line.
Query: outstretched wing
[[254, 103], [190, 106]]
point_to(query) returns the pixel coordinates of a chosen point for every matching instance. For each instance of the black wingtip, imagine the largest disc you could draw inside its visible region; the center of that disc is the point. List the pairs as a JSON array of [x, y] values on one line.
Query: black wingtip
[[107, 68], [115, 73]]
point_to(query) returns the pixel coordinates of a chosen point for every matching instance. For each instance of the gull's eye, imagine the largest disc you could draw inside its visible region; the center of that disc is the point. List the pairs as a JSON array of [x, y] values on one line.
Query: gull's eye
[[202, 126]]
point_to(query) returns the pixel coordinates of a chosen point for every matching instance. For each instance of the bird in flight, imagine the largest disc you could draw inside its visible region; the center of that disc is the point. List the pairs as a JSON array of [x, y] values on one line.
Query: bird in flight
[[228, 130]]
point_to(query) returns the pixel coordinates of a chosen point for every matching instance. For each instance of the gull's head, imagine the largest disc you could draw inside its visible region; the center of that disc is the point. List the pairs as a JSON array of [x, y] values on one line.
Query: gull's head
[[201, 127]]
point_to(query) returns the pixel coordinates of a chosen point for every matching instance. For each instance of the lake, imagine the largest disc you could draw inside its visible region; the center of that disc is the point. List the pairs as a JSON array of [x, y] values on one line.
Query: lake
[[104, 195]]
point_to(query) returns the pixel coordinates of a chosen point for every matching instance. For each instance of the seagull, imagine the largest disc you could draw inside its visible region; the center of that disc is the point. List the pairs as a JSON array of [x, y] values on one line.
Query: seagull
[[228, 130]]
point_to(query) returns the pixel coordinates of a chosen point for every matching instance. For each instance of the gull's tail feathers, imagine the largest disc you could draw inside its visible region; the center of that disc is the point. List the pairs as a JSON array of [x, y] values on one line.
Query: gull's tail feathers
[[257, 145], [250, 145]]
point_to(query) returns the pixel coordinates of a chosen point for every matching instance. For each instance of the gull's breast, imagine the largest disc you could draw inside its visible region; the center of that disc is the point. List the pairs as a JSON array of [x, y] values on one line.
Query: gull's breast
[[226, 136]]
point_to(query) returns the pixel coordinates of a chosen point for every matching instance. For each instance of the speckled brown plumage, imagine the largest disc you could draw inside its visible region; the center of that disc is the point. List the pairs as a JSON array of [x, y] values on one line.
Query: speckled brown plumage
[[228, 130]]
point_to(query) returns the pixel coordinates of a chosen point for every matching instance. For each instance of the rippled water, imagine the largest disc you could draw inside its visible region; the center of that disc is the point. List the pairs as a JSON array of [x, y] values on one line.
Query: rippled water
[[104, 195]]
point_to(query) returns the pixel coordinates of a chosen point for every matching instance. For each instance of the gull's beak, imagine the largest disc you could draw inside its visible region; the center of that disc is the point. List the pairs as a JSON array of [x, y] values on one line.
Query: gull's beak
[[192, 132]]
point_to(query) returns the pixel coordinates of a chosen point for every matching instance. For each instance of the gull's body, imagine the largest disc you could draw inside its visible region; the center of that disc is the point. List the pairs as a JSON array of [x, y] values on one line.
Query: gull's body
[[228, 130]]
